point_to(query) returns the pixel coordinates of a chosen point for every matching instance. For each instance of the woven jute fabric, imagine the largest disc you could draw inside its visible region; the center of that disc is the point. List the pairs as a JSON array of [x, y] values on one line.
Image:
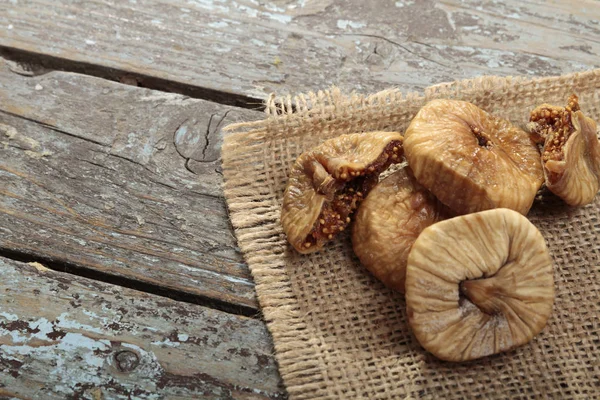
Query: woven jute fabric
[[338, 332]]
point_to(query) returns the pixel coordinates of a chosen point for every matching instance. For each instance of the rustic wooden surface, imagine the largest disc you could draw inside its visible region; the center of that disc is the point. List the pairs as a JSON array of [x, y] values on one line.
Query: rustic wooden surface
[[121, 184], [118, 179], [102, 341], [251, 48]]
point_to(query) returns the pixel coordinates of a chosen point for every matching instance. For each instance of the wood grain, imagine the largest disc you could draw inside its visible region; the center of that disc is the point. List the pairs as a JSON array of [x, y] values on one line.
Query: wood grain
[[99, 341], [118, 179], [252, 48]]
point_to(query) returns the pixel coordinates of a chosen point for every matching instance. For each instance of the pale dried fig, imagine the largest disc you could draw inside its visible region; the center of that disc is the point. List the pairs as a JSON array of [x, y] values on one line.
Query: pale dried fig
[[478, 284], [571, 153], [327, 183], [471, 160], [388, 222]]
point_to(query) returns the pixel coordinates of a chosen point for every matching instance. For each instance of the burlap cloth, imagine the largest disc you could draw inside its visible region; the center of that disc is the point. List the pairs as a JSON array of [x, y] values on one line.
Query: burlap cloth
[[338, 332]]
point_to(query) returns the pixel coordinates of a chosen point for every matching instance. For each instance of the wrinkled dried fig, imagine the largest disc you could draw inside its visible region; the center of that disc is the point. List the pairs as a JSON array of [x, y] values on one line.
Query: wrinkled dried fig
[[327, 183], [388, 222], [478, 284], [471, 160], [571, 153]]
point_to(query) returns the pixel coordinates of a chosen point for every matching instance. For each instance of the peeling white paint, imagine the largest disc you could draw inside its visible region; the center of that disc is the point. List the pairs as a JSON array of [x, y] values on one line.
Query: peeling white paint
[[210, 5], [284, 19], [42, 326], [182, 337], [249, 11], [80, 241], [493, 63], [345, 24], [75, 357], [63, 322], [9, 317], [62, 354], [222, 49], [151, 259], [167, 342], [271, 7], [73, 341], [180, 133], [219, 24], [131, 139]]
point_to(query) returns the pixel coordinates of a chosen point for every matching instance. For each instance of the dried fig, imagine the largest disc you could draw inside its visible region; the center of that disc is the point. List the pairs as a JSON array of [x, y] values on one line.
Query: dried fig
[[471, 160], [571, 153], [327, 183], [478, 284], [388, 222]]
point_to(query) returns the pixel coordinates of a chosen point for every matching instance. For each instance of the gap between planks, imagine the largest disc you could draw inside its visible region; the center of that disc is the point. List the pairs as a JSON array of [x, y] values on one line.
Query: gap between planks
[[34, 64], [178, 295]]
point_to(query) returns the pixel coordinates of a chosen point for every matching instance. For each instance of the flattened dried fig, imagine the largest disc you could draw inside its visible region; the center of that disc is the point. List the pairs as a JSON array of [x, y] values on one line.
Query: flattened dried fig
[[478, 284], [389, 221], [471, 160], [327, 183], [571, 153]]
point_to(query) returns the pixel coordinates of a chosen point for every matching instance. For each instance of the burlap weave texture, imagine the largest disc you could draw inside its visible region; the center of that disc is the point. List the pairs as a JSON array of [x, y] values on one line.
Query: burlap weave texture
[[338, 332]]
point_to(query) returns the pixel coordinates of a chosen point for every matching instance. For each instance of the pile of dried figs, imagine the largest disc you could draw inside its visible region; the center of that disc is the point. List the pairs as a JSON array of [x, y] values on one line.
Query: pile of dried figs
[[449, 229]]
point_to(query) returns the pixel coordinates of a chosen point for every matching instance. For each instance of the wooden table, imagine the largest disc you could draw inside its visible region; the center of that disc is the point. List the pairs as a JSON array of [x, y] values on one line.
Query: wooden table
[[120, 275]]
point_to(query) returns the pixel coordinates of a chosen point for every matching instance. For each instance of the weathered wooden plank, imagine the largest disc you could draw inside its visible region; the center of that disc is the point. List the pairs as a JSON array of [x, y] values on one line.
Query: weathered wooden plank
[[252, 48], [63, 336], [118, 179]]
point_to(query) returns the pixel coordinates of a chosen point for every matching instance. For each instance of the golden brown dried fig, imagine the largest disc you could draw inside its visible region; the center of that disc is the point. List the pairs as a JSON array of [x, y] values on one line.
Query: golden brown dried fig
[[327, 183], [478, 284], [571, 153], [471, 160], [388, 222]]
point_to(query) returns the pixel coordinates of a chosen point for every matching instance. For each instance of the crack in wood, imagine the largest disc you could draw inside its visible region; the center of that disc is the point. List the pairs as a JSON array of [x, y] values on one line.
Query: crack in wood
[[131, 160], [95, 164], [52, 127], [206, 137], [174, 294], [398, 45], [210, 131], [48, 63]]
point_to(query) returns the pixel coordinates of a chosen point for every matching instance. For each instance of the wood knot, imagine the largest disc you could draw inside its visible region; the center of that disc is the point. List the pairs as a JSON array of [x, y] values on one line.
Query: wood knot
[[127, 360]]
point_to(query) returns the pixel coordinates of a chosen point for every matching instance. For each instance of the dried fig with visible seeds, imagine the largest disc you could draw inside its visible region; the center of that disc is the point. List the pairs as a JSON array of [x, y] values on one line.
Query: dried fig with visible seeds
[[471, 160], [478, 284], [571, 153], [388, 222], [327, 183]]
